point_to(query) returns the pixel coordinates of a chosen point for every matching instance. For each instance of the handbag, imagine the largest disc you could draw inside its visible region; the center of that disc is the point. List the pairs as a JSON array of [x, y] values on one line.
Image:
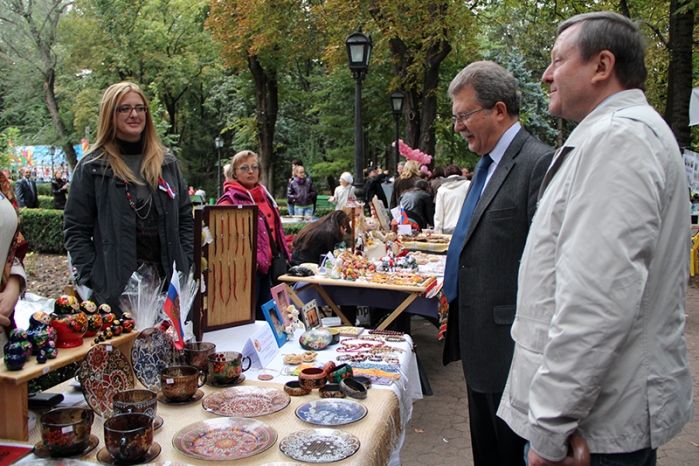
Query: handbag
[[279, 265]]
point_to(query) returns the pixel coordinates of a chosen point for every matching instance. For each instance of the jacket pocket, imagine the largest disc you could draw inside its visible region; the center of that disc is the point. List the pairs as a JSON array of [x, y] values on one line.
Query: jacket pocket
[[504, 315], [525, 364], [508, 212]]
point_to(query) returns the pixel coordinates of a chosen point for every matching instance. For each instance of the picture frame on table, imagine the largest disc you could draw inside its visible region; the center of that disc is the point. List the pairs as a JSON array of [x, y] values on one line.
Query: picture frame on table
[[275, 321], [311, 314], [281, 298]]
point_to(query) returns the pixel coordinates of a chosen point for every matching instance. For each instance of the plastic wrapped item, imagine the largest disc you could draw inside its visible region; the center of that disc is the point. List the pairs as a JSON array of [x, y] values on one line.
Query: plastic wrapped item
[[143, 297]]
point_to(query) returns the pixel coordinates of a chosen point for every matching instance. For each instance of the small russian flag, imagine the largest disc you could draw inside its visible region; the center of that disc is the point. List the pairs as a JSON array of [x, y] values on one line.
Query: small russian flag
[[172, 308], [163, 186]]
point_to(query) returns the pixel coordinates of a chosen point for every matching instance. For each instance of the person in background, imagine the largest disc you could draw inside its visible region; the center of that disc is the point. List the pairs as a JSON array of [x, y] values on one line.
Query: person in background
[[484, 252], [435, 180], [201, 193], [25, 189], [599, 332], [13, 248], [344, 192], [408, 176], [294, 163], [465, 172], [59, 188], [450, 199], [244, 188], [372, 187], [190, 191], [418, 205], [320, 237], [302, 193], [128, 203]]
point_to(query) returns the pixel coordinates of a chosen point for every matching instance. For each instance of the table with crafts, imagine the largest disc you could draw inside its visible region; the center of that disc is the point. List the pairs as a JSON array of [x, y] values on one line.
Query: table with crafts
[[380, 432]]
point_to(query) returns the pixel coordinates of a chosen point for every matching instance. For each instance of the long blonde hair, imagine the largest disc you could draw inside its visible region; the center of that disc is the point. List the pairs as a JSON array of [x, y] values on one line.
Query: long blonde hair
[[411, 168], [153, 150]]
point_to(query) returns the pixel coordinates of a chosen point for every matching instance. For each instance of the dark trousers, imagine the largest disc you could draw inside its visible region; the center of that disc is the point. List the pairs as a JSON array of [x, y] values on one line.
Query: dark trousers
[[493, 442]]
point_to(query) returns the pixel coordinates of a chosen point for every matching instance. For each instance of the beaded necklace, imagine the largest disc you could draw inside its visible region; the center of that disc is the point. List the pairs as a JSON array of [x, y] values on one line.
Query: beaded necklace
[[147, 203]]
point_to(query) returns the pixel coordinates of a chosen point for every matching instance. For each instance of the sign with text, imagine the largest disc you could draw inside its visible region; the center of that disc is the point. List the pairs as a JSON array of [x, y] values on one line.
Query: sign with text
[[261, 347]]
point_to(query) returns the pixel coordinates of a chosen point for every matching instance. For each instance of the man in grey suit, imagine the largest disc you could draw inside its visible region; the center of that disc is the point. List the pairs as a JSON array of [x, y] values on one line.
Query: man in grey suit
[[483, 258], [25, 189]]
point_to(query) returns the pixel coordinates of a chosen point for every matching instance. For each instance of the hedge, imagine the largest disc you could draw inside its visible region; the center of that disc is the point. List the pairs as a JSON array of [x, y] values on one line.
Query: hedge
[[44, 189], [43, 228]]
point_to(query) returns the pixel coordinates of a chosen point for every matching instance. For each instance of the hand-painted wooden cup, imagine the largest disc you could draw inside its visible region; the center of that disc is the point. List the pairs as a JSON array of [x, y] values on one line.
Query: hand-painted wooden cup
[[225, 367], [128, 436], [136, 401], [65, 431], [180, 383], [195, 354]]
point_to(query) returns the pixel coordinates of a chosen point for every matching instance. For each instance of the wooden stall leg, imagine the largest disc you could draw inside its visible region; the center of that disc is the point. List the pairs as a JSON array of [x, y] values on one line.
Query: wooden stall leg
[[13, 406]]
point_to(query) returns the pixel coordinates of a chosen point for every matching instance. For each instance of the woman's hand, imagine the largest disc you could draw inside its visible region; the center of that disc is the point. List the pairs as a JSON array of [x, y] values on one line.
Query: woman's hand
[[8, 300]]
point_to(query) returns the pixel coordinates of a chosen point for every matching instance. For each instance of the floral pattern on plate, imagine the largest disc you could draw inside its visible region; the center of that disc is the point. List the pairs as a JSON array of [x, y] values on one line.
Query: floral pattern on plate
[[331, 412], [246, 401], [319, 445], [151, 352], [104, 372], [224, 439]]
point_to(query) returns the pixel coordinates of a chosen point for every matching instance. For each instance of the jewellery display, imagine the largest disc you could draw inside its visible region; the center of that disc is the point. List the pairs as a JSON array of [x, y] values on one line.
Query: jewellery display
[[227, 292]]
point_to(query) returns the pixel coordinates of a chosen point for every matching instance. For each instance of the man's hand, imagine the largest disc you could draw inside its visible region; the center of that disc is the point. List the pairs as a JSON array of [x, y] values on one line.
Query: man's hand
[[536, 460]]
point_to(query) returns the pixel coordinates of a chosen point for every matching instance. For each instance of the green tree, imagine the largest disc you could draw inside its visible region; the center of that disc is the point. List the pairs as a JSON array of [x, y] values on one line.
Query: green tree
[[28, 35]]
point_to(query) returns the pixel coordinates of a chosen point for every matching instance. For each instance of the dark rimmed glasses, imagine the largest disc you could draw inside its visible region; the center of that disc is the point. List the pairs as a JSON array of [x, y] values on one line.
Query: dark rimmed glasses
[[128, 109]]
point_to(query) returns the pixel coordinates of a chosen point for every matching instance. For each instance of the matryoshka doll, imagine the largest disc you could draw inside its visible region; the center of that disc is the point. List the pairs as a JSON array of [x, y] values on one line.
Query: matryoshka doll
[[69, 321], [94, 319]]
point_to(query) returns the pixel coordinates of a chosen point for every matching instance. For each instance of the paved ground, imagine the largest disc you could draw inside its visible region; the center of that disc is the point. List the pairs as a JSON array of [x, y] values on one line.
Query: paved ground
[[439, 434]]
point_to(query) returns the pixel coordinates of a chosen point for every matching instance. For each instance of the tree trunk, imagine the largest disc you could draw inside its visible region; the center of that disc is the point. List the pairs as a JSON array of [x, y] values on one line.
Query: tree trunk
[[679, 80], [267, 107], [435, 56], [52, 105]]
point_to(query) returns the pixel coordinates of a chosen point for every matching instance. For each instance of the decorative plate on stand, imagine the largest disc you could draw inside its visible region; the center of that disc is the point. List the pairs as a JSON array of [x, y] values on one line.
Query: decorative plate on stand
[[224, 439], [104, 372], [331, 412], [246, 401], [319, 445], [151, 352]]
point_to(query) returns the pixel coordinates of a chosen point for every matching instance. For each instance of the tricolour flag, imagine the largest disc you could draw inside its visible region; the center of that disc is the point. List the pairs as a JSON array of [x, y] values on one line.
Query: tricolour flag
[[172, 308], [162, 184]]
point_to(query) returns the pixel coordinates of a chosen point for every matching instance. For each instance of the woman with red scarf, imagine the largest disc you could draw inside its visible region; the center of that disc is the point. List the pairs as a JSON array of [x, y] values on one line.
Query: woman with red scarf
[[244, 189], [13, 247]]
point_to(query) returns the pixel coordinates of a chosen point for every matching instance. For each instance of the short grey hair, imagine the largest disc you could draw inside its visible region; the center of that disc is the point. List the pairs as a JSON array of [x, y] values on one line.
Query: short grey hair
[[605, 30], [492, 84]]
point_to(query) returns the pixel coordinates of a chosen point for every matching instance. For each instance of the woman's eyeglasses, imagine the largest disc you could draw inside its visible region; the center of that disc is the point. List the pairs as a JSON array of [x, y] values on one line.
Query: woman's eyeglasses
[[128, 109], [246, 169]]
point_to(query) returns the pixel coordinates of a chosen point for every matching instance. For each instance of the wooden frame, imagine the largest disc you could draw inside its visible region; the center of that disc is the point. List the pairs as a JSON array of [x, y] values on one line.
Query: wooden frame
[[281, 298], [275, 321], [311, 314], [227, 296]]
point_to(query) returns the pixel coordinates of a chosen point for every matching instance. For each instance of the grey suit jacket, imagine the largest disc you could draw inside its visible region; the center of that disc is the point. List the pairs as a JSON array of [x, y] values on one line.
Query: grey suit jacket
[[480, 318]]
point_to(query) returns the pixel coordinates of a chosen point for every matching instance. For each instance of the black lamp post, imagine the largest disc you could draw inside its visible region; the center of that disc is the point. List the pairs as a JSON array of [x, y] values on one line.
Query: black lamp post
[[219, 145], [358, 52], [397, 99]]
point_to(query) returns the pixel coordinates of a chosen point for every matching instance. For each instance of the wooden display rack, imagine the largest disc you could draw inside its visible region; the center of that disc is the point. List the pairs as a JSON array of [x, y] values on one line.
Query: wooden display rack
[[14, 388], [228, 295]]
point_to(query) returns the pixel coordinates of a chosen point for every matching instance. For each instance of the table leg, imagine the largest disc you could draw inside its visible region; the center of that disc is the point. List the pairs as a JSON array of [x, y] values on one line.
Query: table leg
[[411, 297], [294, 297], [332, 305], [13, 406]]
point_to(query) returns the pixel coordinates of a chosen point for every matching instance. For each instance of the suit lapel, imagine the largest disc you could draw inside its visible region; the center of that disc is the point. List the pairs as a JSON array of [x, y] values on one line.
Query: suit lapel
[[501, 171]]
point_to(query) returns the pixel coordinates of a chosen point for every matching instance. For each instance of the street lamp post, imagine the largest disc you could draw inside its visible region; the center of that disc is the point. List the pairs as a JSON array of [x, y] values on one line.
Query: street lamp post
[[397, 99], [359, 52], [219, 145]]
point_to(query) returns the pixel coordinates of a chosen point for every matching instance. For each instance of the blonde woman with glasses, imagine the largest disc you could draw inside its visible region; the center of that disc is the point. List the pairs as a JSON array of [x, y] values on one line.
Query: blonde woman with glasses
[[128, 204]]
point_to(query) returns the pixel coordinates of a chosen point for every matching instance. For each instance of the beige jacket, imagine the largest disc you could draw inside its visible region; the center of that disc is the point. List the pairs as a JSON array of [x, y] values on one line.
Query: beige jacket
[[599, 330]]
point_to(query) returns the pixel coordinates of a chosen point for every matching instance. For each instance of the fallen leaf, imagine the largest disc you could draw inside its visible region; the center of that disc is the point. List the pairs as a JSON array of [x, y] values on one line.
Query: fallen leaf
[[419, 431]]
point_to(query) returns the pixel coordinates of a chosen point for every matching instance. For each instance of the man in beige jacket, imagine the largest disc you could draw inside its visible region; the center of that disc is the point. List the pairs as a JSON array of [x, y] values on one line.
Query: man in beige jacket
[[599, 329]]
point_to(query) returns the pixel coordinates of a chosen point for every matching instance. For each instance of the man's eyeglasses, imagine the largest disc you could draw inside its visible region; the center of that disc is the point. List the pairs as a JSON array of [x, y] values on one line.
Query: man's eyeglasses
[[246, 169], [128, 109], [463, 117]]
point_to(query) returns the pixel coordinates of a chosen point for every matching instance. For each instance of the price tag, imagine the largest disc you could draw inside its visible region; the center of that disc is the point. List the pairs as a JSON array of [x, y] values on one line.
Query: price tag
[[169, 381], [109, 347], [46, 370], [67, 429]]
